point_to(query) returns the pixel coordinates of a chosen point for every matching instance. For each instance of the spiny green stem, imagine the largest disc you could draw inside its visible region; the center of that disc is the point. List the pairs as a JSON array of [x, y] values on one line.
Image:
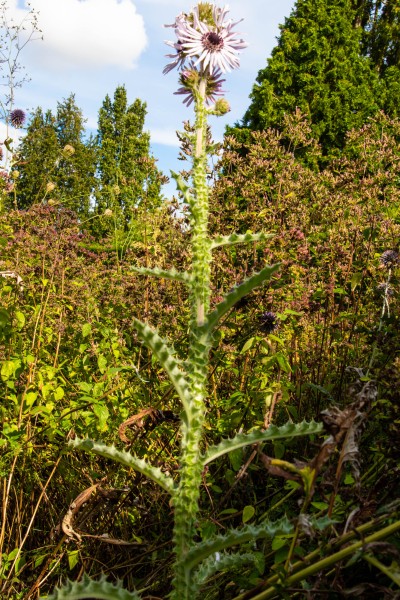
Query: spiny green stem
[[187, 496]]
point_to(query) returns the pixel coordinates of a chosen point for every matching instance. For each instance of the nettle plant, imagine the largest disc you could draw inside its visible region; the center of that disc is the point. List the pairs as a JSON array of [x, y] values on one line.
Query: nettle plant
[[206, 46]]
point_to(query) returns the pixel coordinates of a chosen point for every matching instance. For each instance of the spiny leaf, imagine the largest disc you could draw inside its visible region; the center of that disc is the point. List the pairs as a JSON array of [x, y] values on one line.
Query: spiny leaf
[[171, 364], [170, 274], [289, 430], [237, 238], [89, 588], [224, 562], [237, 293], [183, 187], [138, 464], [234, 537]]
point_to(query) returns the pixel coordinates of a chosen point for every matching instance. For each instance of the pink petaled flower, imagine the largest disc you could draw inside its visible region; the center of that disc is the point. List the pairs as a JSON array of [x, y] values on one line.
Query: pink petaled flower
[[207, 38], [189, 80]]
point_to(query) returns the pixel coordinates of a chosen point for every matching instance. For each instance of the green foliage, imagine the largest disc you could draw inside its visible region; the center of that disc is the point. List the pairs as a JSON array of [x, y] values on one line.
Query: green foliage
[[69, 177], [317, 67], [128, 176], [88, 588]]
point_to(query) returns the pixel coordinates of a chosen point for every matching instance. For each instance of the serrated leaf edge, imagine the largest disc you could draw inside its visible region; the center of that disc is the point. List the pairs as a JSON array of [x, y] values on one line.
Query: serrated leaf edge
[[100, 589], [239, 238], [165, 355], [237, 293], [289, 430], [202, 550], [123, 457]]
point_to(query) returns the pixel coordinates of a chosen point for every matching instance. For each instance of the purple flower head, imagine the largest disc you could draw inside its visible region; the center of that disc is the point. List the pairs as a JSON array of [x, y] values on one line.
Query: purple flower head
[[189, 79], [207, 38], [268, 322], [390, 258], [17, 117]]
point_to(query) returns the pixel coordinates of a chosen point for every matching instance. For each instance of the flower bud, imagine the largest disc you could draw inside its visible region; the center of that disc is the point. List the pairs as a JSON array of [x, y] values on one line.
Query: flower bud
[[68, 151], [50, 187], [15, 174], [108, 212], [221, 107]]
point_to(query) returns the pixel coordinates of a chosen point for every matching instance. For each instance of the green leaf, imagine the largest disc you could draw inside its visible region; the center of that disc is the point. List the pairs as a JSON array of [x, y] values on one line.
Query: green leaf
[[102, 363], [102, 413], [288, 431], [20, 318], [4, 317], [237, 293], [59, 393], [247, 345], [165, 355], [30, 398], [73, 558], [237, 238], [356, 280], [234, 537], [86, 329], [138, 464], [89, 588], [248, 513]]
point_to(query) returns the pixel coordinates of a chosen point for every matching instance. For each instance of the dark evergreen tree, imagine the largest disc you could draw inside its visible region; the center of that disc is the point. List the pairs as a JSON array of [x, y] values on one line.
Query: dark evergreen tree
[[37, 159], [75, 174], [127, 173], [48, 171], [381, 42], [318, 67]]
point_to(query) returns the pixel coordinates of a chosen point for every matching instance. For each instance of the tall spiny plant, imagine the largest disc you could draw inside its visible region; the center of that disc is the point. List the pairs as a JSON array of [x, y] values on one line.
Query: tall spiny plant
[[206, 47]]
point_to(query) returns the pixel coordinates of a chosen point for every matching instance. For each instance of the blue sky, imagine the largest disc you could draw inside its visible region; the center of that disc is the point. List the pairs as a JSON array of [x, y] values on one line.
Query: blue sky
[[91, 46]]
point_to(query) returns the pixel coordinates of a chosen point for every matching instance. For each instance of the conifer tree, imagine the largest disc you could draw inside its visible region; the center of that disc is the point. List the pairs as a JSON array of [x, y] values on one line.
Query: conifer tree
[[127, 173], [75, 174], [37, 159], [318, 67], [46, 170]]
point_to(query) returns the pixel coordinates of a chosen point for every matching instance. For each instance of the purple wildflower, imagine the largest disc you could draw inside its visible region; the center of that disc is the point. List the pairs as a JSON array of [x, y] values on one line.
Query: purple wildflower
[[268, 322], [390, 258], [17, 117], [189, 80], [205, 37]]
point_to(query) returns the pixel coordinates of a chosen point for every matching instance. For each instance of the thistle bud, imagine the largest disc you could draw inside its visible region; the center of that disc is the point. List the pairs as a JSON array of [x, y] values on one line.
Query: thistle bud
[[68, 151], [221, 107]]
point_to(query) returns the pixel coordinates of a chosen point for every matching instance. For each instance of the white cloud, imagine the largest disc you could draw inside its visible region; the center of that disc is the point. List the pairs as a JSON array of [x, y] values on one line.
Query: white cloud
[[166, 137], [82, 34]]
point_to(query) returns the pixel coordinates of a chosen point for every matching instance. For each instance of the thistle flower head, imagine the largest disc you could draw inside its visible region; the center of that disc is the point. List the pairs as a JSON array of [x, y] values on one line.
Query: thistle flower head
[[268, 322], [390, 259], [17, 117], [189, 79], [206, 37]]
